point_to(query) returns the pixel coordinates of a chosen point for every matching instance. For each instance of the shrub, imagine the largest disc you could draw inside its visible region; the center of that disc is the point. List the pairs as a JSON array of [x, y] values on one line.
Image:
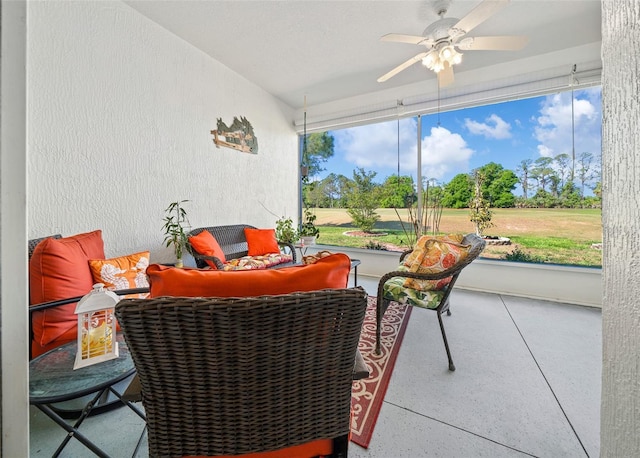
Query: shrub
[[519, 255], [373, 245]]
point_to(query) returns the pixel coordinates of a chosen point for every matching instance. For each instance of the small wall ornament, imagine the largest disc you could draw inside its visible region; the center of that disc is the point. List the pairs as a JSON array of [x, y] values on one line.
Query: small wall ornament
[[239, 135]]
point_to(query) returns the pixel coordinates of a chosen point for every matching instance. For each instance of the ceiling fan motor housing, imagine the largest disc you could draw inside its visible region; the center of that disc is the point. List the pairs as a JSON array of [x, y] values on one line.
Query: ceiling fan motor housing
[[440, 29]]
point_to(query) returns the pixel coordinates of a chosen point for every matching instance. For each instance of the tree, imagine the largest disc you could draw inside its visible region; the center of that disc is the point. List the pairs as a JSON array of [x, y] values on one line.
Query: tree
[[316, 194], [319, 149], [543, 199], [395, 191], [498, 185], [457, 193], [542, 172], [586, 170], [362, 200], [570, 197], [524, 171], [344, 184], [479, 206], [328, 190], [563, 167]]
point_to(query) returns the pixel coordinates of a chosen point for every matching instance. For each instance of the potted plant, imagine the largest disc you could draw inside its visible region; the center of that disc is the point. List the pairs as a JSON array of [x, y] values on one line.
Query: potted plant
[[175, 223], [308, 230], [285, 232]]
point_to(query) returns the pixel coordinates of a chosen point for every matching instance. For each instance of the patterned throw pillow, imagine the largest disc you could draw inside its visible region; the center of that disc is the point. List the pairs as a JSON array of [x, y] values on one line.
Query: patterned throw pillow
[[433, 255], [123, 272], [422, 241], [257, 262]]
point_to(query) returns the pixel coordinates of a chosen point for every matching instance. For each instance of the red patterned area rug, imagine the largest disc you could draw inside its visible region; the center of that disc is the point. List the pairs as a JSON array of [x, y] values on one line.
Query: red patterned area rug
[[368, 394]]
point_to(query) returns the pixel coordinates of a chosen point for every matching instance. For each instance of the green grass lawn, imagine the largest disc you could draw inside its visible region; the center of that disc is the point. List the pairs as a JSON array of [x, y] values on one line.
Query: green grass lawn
[[560, 236]]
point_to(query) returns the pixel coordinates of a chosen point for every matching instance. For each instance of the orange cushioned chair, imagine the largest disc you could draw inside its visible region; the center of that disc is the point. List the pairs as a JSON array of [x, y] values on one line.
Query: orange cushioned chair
[[262, 376]]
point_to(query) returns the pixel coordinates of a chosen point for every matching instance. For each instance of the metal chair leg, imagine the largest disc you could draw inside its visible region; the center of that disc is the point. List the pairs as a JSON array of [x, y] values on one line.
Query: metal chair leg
[[446, 344]]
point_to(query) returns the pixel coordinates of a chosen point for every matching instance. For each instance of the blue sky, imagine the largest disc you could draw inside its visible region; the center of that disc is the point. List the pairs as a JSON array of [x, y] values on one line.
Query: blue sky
[[505, 133]]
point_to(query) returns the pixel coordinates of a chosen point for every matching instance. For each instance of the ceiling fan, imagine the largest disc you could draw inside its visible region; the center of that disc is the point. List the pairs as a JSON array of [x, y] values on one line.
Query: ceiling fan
[[445, 38]]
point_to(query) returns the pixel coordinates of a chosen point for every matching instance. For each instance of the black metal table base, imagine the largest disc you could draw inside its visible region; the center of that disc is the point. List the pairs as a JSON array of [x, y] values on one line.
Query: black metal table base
[[73, 432]]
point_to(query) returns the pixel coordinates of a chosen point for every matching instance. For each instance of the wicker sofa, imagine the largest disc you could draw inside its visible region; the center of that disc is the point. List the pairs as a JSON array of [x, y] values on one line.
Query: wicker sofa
[[233, 242]]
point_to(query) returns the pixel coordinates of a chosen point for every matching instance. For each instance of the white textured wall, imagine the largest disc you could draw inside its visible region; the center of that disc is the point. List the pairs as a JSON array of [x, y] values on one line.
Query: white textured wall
[[119, 119], [620, 413]]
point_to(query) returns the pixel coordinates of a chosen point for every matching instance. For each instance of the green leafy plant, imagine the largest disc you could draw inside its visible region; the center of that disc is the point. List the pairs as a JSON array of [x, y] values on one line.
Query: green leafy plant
[[308, 227], [520, 255], [480, 212], [373, 245], [175, 223], [363, 200], [285, 232]]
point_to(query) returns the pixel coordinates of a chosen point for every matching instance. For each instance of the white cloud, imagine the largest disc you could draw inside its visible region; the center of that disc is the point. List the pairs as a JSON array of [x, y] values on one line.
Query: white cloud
[[554, 125], [494, 127], [375, 146], [444, 152]]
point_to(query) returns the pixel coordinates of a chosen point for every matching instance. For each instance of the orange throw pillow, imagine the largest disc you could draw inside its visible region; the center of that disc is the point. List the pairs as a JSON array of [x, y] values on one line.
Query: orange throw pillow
[[123, 272], [261, 241], [59, 269], [206, 244], [329, 272]]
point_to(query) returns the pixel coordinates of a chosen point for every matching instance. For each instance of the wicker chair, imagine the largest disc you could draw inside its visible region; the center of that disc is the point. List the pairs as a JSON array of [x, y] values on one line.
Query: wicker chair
[[441, 302], [234, 244], [233, 376]]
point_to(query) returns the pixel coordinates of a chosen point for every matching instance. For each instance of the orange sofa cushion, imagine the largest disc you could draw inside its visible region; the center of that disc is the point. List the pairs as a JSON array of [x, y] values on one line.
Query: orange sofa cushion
[[329, 272], [59, 269], [321, 447], [261, 241], [206, 244]]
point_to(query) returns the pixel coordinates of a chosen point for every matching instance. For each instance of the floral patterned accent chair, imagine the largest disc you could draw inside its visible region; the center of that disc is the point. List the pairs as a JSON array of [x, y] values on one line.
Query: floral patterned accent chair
[[426, 276]]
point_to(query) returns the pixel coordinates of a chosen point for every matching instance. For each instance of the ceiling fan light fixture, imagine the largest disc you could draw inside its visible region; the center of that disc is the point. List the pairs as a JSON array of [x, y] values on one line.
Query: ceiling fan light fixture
[[436, 59], [429, 59], [446, 53], [457, 58], [449, 54]]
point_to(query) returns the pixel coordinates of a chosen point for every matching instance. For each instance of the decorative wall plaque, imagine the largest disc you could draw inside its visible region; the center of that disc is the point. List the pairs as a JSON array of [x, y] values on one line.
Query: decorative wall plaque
[[239, 135]]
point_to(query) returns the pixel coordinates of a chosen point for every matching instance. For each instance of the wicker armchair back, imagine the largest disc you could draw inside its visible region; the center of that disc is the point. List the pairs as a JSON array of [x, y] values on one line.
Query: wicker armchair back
[[233, 243], [227, 376]]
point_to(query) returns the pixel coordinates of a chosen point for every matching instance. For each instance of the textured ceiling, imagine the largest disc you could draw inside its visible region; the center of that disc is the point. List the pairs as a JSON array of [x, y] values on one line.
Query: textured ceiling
[[330, 50]]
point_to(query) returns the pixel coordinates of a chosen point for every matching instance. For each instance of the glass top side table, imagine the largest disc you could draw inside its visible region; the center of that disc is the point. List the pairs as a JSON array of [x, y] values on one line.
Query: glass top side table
[[52, 379]]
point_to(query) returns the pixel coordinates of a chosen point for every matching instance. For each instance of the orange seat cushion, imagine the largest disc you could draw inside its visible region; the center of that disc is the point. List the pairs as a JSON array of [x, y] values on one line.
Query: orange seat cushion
[[329, 272], [261, 241], [321, 447], [206, 244], [59, 269]]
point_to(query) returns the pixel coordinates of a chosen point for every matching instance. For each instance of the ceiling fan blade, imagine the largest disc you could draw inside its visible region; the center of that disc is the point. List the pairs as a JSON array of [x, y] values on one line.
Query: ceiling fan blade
[[479, 14], [503, 43], [400, 38], [401, 67], [445, 76]]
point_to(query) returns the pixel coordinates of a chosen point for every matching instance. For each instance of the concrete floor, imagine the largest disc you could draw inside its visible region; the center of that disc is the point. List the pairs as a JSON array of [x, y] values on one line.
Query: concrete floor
[[527, 383]]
